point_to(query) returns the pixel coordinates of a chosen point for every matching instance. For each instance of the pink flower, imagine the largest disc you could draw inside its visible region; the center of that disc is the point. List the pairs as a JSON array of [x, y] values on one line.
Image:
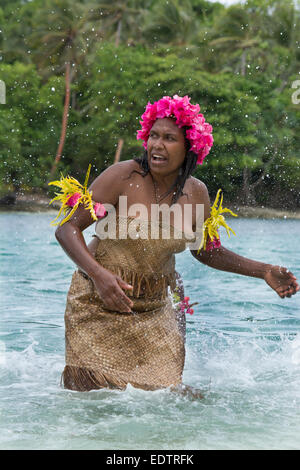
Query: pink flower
[[192, 134], [201, 155], [184, 305], [150, 112], [100, 210], [212, 244], [187, 115], [164, 107], [143, 134], [73, 199]]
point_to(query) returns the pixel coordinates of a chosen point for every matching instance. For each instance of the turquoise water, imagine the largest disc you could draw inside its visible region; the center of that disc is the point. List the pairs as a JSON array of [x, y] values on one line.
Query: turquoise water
[[243, 351]]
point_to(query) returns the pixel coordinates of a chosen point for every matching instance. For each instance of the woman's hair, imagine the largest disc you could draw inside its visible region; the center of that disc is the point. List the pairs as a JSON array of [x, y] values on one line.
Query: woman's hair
[[187, 168]]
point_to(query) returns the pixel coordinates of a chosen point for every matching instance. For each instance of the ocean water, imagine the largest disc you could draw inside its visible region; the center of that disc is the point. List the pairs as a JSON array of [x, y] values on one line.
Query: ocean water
[[243, 352]]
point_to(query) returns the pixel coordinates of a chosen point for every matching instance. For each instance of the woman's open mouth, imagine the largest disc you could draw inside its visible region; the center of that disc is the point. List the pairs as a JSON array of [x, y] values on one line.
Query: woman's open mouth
[[158, 159]]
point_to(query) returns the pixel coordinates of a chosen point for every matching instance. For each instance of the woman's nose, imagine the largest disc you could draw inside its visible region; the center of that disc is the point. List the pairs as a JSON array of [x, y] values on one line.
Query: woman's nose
[[158, 143]]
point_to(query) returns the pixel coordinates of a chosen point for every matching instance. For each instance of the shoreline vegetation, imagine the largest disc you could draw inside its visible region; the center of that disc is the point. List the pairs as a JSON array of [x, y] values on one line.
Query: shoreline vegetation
[[33, 202]]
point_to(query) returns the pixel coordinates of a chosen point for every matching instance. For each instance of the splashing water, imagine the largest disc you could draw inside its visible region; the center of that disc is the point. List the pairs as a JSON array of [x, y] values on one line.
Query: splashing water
[[243, 352]]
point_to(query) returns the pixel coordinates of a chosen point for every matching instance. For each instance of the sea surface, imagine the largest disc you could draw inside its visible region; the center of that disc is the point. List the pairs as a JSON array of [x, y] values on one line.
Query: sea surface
[[243, 352]]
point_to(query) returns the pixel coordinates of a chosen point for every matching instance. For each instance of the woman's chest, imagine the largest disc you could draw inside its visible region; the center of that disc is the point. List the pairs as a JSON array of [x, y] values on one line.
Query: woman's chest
[[140, 199]]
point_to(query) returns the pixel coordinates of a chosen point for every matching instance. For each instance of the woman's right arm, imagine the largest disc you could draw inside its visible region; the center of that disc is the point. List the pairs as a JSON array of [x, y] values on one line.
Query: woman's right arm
[[106, 189]]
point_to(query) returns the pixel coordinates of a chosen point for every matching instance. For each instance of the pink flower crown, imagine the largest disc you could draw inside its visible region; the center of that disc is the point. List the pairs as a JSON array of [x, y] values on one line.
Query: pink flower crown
[[199, 132]]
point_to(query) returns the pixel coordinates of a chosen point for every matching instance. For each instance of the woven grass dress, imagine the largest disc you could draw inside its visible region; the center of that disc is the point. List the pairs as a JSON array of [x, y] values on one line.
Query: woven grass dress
[[145, 348]]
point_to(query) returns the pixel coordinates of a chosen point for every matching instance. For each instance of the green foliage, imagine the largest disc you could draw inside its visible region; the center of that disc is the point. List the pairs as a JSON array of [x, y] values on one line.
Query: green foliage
[[140, 76], [237, 62], [1, 31], [26, 120]]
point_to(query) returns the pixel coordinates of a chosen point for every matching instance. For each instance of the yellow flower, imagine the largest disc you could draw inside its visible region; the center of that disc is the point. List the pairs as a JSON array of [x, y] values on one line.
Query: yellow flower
[[216, 219], [71, 188]]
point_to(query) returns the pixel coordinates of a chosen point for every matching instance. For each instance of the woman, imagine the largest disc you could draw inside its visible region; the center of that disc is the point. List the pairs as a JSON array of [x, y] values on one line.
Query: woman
[[121, 326]]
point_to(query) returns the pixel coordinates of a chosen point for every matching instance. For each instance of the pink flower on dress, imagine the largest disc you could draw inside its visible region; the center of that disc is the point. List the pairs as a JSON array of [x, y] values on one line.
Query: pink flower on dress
[[73, 199], [100, 210], [212, 244], [184, 305], [199, 132]]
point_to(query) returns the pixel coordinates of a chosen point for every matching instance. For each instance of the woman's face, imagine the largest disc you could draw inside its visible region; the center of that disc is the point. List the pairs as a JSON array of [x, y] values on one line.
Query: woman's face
[[165, 147]]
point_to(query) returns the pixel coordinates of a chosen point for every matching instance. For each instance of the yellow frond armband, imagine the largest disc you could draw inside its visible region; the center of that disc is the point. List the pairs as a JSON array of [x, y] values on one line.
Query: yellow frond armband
[[210, 235], [72, 194]]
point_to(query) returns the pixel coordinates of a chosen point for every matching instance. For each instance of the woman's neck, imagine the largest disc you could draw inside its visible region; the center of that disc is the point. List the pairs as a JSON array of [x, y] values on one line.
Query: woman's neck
[[164, 182]]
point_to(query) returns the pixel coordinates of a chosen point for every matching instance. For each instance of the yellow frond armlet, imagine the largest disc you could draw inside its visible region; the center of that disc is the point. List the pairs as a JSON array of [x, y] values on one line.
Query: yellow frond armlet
[[72, 193], [210, 235]]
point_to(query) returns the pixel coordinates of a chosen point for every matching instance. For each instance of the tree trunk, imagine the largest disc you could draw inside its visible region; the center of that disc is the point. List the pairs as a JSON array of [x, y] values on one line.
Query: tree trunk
[[118, 33], [64, 120], [243, 63], [119, 150]]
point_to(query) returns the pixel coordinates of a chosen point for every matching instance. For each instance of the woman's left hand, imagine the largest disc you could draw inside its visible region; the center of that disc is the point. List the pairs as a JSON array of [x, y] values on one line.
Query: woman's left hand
[[282, 281]]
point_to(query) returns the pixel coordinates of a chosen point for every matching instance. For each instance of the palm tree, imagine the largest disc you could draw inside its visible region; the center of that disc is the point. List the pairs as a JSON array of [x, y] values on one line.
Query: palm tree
[[170, 22], [66, 34], [16, 26], [61, 41], [285, 31], [237, 34], [122, 19]]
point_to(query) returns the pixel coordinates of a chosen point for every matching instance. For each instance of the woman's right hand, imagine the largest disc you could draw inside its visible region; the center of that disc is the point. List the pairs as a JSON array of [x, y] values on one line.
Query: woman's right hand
[[111, 290]]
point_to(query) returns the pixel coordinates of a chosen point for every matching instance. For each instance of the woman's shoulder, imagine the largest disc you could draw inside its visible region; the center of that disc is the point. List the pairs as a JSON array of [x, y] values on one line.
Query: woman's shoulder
[[199, 194], [117, 172], [197, 188], [109, 184], [122, 169]]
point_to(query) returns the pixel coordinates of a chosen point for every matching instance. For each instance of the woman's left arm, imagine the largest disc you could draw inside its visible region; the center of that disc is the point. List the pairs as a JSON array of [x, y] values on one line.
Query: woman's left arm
[[277, 277]]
